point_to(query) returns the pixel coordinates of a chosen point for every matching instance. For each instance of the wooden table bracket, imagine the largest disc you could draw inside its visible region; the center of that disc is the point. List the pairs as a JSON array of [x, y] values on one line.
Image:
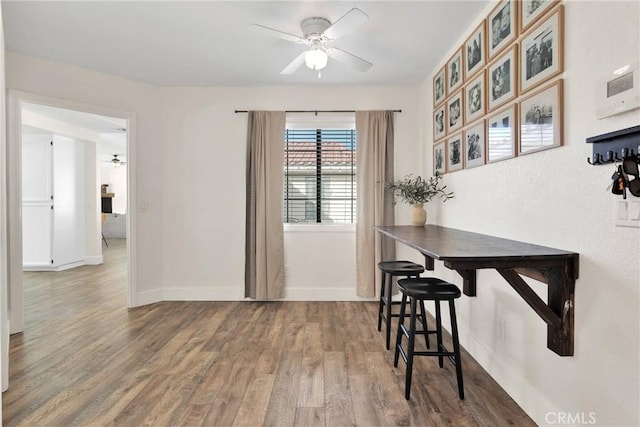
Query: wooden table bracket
[[468, 281], [429, 263], [467, 252]]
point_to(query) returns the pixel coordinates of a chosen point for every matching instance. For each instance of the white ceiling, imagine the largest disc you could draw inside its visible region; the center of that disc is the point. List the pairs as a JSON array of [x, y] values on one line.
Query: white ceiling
[[111, 130], [93, 122], [207, 43]]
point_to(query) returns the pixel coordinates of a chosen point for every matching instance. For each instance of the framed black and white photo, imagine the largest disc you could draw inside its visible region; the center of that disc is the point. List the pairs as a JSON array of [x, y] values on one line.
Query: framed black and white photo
[[501, 24], [541, 51], [439, 164], [502, 79], [501, 135], [454, 153], [439, 87], [532, 10], [454, 72], [455, 112], [474, 145], [439, 122], [541, 119], [474, 98], [474, 47]]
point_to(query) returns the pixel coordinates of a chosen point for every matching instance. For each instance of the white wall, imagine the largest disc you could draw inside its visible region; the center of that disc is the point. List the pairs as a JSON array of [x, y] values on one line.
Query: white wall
[[204, 192], [556, 199], [190, 179], [50, 79]]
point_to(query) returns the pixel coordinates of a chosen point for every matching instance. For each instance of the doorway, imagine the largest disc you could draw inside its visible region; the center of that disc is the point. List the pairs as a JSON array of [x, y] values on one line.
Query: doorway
[[24, 108]]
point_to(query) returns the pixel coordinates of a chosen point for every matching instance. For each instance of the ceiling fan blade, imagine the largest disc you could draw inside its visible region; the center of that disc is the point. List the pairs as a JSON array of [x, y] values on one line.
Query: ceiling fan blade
[[347, 23], [294, 65], [277, 33], [348, 58]]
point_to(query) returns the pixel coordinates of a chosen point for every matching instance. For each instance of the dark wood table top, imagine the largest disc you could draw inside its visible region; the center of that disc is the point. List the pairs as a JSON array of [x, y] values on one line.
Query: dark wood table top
[[443, 243], [466, 252]]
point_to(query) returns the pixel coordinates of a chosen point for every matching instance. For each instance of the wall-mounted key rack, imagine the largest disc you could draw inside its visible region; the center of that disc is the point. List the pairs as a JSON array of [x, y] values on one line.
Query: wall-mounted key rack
[[614, 146]]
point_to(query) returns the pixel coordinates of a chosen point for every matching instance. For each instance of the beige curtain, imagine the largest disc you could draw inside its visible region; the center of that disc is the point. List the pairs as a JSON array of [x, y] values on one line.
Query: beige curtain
[[374, 130], [264, 259]]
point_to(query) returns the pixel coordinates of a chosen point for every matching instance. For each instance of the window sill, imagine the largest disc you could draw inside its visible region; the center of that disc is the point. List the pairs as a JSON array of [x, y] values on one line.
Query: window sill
[[319, 228]]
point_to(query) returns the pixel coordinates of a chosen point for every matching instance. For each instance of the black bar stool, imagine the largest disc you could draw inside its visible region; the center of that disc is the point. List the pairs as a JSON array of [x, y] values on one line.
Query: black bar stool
[[426, 289], [391, 269]]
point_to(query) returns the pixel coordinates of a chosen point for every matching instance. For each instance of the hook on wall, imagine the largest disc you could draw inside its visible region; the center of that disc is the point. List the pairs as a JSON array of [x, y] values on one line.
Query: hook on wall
[[596, 159], [611, 157], [615, 146]]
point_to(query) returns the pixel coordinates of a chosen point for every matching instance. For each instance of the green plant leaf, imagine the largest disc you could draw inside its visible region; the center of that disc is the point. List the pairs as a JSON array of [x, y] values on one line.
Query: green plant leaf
[[418, 190]]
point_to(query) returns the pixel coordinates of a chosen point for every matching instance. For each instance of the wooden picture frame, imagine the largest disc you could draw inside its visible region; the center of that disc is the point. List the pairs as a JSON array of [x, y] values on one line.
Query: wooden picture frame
[[439, 122], [439, 156], [475, 145], [541, 51], [532, 10], [439, 87], [475, 98], [502, 79], [501, 27], [541, 119], [502, 134], [475, 52], [454, 153], [455, 74], [455, 112]]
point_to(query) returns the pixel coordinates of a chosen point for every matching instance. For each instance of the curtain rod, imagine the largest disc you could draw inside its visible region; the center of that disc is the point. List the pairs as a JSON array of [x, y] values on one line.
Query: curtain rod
[[317, 111]]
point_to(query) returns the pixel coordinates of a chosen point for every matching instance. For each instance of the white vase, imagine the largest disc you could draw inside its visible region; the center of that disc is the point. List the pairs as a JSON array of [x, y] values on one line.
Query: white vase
[[418, 214]]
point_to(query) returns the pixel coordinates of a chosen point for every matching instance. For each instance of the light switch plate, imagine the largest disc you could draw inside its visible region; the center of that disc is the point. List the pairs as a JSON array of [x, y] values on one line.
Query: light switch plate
[[627, 212]]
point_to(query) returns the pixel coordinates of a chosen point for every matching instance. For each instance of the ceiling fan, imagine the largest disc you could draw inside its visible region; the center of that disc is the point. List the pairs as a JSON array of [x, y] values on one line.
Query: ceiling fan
[[318, 35], [115, 161]]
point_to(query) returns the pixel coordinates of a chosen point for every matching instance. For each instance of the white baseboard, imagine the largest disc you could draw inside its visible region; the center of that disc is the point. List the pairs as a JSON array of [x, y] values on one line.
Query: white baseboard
[[323, 294], [147, 297], [203, 294], [45, 267], [237, 294], [93, 260]]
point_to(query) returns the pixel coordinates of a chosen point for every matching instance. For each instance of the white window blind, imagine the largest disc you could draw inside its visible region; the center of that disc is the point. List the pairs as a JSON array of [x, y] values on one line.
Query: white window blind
[[319, 175]]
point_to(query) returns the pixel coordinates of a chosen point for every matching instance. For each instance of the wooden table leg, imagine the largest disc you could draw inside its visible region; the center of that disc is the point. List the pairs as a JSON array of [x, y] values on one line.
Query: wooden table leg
[[560, 298]]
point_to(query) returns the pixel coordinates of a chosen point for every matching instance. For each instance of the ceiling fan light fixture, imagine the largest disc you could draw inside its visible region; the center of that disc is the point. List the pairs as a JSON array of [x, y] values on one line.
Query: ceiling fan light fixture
[[116, 162], [316, 59]]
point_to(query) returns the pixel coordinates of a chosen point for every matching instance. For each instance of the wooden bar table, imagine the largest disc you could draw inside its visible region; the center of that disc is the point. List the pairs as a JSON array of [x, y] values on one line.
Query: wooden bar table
[[466, 252]]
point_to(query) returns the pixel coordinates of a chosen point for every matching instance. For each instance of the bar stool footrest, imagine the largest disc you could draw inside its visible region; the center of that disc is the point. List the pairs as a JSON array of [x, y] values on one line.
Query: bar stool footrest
[[403, 354], [420, 332]]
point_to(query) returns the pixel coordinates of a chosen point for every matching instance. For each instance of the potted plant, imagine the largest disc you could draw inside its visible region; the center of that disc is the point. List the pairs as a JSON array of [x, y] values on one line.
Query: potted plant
[[418, 191]]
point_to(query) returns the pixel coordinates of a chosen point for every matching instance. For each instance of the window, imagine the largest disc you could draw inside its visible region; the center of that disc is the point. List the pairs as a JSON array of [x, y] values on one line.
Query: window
[[320, 176]]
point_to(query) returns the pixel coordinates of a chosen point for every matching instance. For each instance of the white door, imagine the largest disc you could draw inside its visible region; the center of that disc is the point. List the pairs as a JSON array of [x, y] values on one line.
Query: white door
[[53, 211], [37, 204], [68, 201]]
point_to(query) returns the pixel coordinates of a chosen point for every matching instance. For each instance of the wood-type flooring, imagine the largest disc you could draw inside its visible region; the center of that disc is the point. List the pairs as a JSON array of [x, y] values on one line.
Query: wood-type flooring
[[84, 359]]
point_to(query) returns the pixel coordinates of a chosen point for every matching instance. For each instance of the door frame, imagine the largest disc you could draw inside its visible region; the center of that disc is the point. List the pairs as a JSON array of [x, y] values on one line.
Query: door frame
[[14, 196]]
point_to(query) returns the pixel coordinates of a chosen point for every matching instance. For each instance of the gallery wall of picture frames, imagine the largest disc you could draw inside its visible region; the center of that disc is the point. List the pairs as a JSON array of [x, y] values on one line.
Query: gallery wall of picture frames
[[500, 94]]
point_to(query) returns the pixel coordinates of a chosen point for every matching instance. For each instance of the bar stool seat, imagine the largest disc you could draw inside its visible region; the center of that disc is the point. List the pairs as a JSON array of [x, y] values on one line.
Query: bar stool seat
[[390, 269], [420, 290]]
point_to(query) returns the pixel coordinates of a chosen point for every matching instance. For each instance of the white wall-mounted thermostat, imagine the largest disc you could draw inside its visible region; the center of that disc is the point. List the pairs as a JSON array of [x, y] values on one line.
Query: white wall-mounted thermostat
[[618, 92]]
